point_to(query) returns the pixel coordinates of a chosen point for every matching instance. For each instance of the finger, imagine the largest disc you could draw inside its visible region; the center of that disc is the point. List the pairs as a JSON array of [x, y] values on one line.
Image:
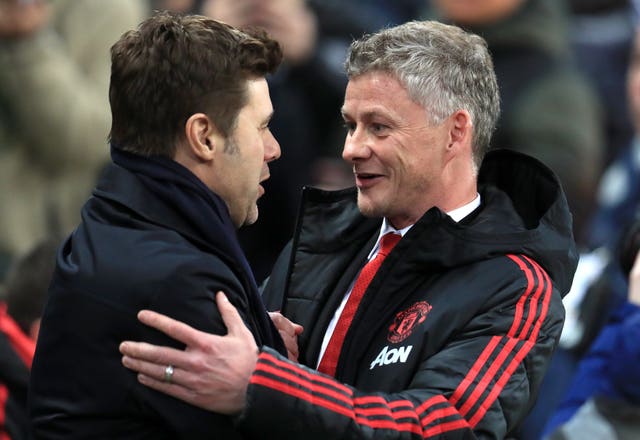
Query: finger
[[289, 340], [173, 389], [153, 353], [291, 346], [230, 316], [155, 371], [284, 324], [172, 328], [278, 320]]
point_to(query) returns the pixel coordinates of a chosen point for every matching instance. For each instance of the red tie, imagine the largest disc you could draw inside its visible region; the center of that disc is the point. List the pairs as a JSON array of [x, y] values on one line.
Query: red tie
[[330, 359]]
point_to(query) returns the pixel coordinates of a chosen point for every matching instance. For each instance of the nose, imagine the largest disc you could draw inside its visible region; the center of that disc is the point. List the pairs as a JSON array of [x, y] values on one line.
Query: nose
[[355, 146], [271, 147]]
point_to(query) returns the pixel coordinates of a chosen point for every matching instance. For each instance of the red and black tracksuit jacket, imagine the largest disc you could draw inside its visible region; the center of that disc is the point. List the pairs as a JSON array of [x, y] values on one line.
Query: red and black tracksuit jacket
[[454, 333]]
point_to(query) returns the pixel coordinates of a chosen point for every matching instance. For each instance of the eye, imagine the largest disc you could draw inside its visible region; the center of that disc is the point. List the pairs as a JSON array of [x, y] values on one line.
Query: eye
[[350, 127], [378, 129]]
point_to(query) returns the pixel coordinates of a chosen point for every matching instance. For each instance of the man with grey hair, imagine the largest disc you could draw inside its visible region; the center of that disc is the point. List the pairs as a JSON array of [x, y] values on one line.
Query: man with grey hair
[[430, 293]]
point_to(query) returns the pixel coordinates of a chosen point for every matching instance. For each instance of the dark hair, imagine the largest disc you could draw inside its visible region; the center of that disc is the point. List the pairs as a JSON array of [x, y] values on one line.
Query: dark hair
[[28, 281], [173, 66]]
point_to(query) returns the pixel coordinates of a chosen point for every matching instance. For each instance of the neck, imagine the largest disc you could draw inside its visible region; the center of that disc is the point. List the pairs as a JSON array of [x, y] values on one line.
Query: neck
[[459, 185]]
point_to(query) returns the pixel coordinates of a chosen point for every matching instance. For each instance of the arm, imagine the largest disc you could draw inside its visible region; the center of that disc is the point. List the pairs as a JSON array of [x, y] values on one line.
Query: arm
[[212, 372], [625, 371], [480, 383], [611, 362], [287, 399], [189, 296], [14, 422]]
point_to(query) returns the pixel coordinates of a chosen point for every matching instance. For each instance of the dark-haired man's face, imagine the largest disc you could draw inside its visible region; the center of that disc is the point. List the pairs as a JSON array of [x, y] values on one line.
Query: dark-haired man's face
[[243, 164]]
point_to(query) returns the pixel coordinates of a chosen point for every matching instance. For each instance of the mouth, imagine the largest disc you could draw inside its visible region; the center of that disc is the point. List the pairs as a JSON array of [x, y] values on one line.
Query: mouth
[[366, 180], [261, 189]]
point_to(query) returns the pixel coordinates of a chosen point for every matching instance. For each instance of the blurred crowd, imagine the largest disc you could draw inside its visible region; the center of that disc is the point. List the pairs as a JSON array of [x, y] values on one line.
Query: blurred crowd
[[569, 77]]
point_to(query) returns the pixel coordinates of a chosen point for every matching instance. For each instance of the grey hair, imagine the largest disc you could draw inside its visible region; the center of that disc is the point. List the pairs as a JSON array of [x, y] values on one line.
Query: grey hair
[[444, 69]]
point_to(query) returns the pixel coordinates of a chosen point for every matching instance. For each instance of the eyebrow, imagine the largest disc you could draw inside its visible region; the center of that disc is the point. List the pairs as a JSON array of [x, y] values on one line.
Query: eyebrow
[[368, 115], [268, 118]]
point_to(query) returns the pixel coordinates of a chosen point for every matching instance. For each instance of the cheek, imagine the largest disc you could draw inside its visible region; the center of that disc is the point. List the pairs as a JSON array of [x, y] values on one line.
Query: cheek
[[408, 163], [253, 157]]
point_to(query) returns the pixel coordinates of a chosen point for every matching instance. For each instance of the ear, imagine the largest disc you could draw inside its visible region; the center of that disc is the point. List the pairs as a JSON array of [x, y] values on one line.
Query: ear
[[203, 137], [460, 130]]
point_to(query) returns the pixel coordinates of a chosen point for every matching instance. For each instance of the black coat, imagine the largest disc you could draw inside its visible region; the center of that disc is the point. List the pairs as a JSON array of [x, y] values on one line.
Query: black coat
[[132, 251], [455, 331]]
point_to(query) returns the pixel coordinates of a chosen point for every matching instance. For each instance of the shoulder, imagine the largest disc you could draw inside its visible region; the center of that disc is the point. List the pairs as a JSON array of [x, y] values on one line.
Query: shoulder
[[140, 264], [516, 294], [509, 273]]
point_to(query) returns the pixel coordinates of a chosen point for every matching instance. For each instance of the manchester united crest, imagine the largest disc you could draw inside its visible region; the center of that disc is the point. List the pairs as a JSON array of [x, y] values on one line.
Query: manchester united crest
[[407, 320]]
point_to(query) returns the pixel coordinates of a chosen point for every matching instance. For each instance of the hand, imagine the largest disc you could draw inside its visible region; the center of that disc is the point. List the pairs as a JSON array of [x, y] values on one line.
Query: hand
[[212, 372], [289, 332], [634, 282], [20, 19]]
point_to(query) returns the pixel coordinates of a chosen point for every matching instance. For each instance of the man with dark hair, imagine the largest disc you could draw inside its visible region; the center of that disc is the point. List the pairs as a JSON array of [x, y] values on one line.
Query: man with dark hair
[[21, 307], [190, 145], [430, 293]]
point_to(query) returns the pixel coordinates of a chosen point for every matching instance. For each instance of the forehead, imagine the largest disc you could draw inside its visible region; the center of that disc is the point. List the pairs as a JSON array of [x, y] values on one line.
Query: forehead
[[259, 101], [379, 92], [374, 82]]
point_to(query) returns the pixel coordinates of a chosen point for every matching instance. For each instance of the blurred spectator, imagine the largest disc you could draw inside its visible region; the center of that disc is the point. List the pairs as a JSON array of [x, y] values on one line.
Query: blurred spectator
[[307, 93], [180, 6], [601, 33], [604, 398], [20, 311], [599, 285], [54, 75], [619, 192], [549, 109]]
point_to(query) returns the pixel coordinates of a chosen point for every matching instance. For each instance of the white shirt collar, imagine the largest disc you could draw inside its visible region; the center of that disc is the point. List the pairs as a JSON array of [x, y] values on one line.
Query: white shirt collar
[[457, 215]]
